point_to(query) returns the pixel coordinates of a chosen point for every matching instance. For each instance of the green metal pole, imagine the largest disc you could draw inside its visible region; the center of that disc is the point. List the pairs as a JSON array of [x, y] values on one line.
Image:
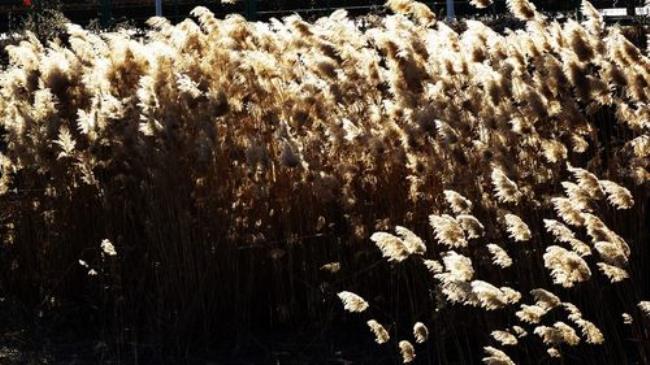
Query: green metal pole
[[451, 13], [251, 9], [631, 8], [106, 13]]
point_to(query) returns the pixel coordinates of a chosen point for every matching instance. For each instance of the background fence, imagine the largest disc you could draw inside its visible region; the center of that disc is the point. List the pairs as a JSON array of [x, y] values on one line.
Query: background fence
[[108, 11]]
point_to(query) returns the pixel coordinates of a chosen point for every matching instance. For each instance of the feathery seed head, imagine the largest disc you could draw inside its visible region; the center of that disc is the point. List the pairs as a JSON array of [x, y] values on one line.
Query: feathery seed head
[[352, 302]]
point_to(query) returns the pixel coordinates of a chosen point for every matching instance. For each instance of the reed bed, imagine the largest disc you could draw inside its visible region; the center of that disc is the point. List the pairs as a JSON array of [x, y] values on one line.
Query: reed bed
[[468, 195]]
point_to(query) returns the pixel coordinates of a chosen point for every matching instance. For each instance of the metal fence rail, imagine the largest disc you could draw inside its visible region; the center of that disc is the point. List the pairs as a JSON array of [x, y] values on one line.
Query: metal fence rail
[[139, 10], [107, 11]]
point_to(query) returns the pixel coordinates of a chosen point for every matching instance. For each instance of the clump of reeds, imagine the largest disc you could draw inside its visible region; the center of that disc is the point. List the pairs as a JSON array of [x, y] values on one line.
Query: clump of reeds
[[212, 151]]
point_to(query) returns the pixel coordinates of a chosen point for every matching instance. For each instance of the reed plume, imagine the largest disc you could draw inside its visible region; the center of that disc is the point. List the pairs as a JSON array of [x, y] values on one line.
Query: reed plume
[[381, 335], [352, 302]]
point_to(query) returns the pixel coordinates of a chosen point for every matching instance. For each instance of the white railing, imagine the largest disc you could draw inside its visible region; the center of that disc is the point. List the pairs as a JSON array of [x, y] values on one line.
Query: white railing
[[622, 12]]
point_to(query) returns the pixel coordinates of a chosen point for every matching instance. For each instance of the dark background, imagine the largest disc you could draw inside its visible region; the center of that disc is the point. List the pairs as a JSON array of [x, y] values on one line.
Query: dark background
[[137, 11]]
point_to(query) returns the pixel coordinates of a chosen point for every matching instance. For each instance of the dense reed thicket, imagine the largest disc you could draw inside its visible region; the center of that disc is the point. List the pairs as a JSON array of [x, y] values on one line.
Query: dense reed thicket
[[222, 175]]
